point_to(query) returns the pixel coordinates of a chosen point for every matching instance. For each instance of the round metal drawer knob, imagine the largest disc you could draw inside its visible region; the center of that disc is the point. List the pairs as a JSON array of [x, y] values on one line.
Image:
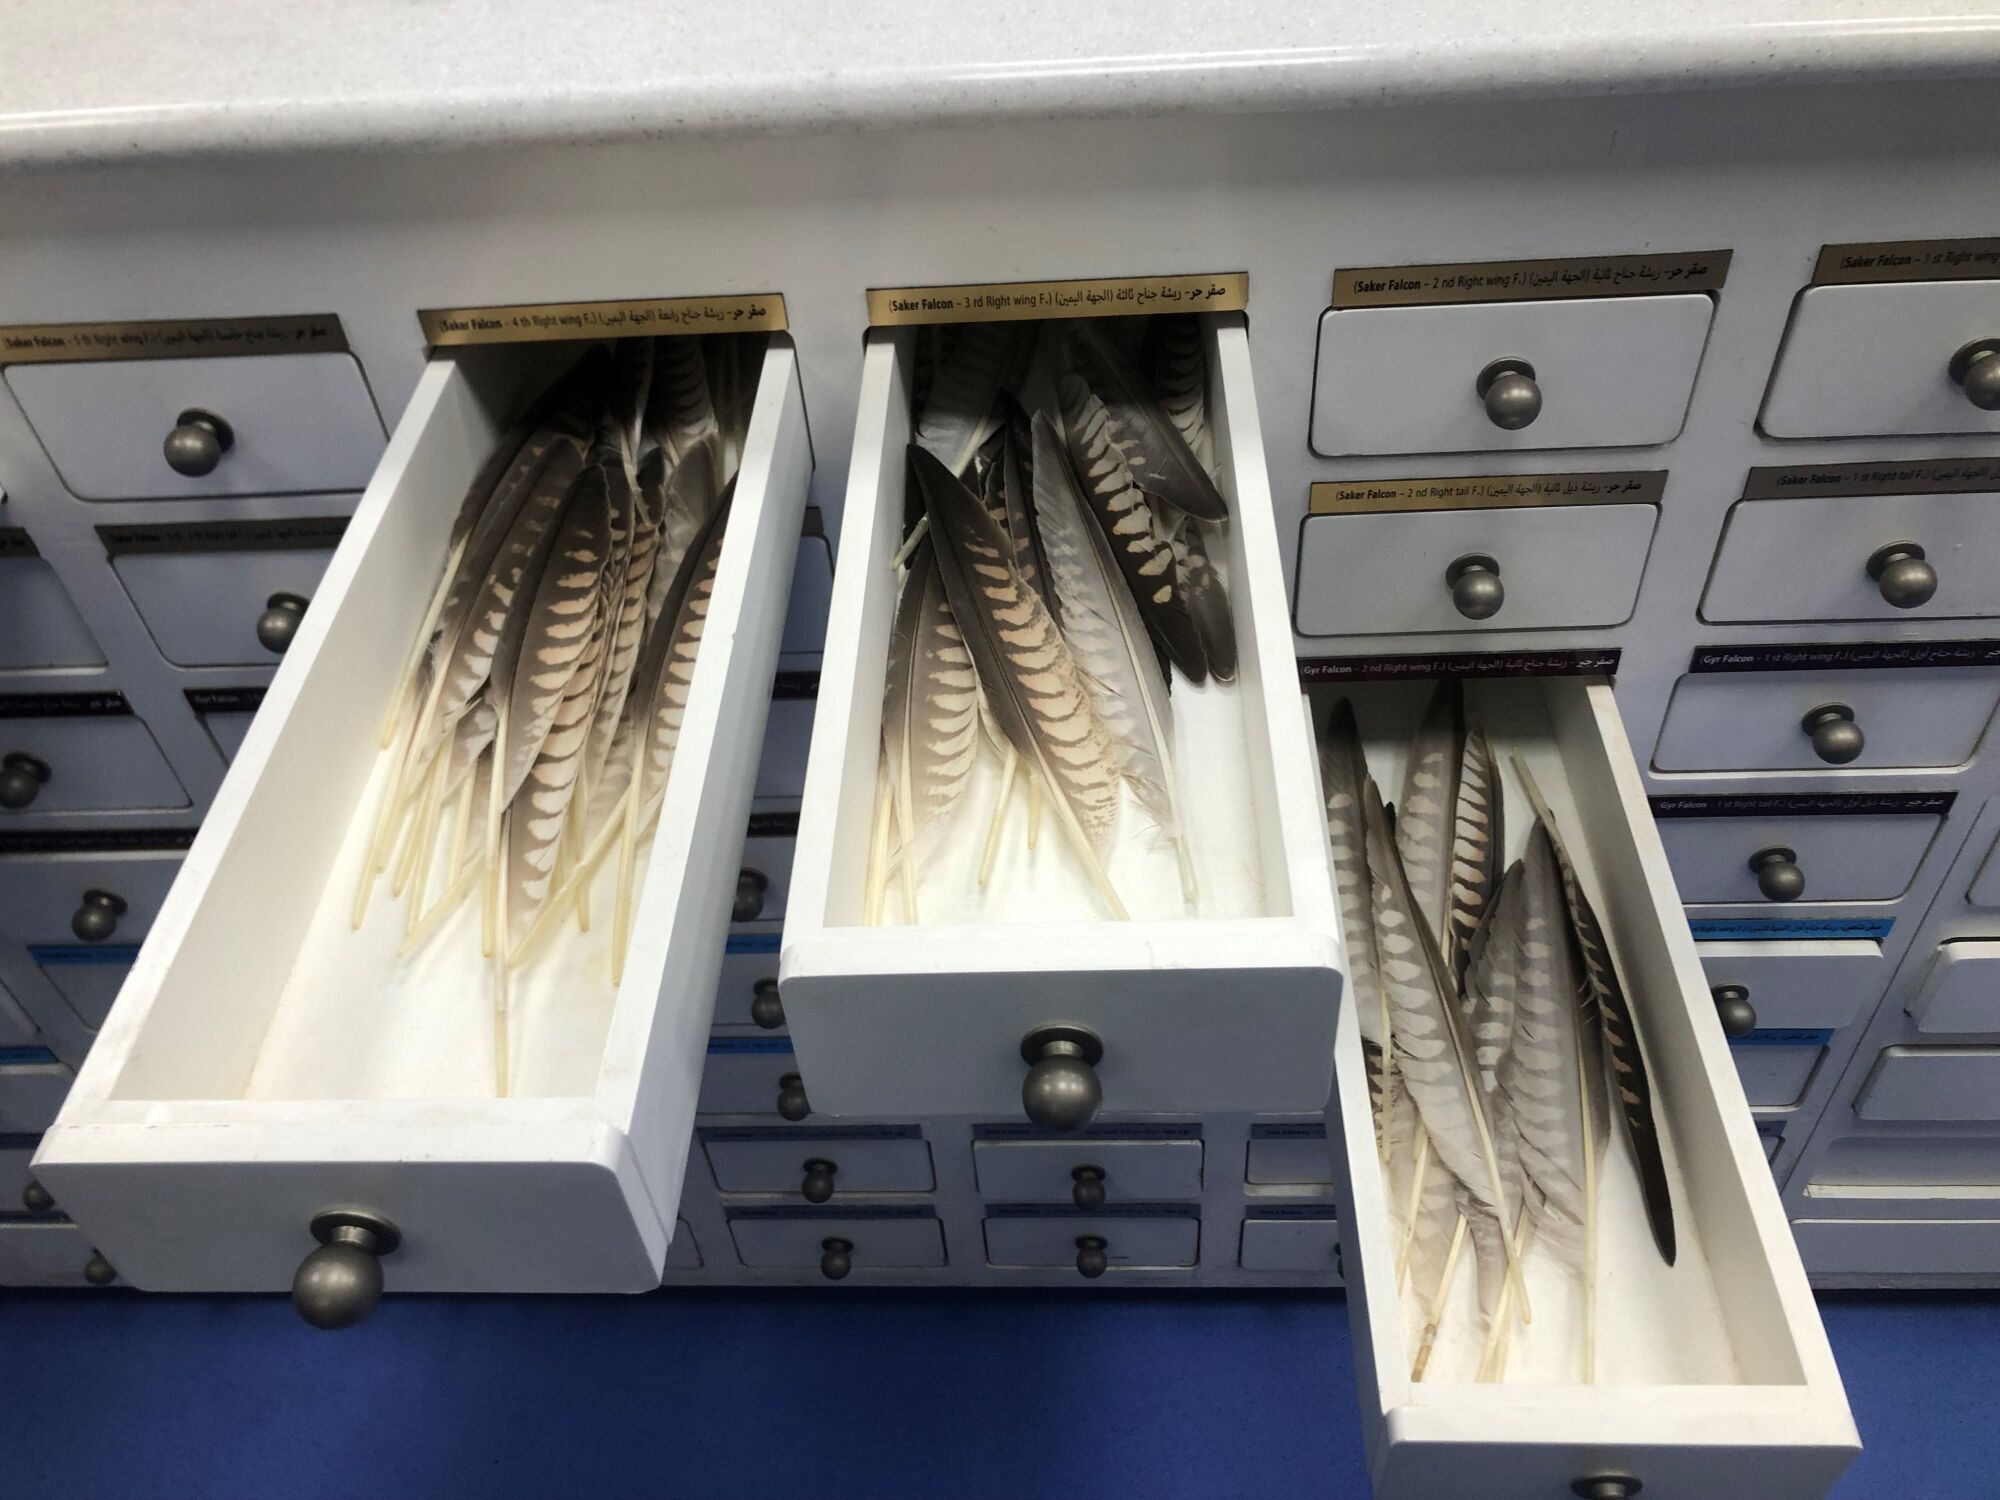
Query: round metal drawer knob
[[1091, 1261], [1734, 1010], [1976, 371], [836, 1258], [1836, 738], [21, 780], [280, 622], [97, 919], [818, 1186], [765, 1007], [1476, 590], [1900, 572], [1508, 391], [339, 1283], [792, 1102], [197, 443], [751, 887], [37, 1199], [1087, 1187], [98, 1271], [1606, 1487], [1061, 1091], [1778, 874]]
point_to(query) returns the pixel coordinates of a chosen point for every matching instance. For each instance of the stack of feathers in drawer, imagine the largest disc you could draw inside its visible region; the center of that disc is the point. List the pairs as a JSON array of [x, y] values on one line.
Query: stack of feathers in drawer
[[542, 701], [1054, 579], [1497, 1034]]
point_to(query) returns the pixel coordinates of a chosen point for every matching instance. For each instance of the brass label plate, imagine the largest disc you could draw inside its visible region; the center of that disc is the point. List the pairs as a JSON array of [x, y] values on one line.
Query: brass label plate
[[1531, 280], [1907, 260], [1882, 476], [1355, 497], [1020, 301], [173, 338], [552, 322]]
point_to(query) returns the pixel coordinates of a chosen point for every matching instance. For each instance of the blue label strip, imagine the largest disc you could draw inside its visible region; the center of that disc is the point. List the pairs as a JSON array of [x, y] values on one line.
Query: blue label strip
[[724, 1046], [752, 942], [25, 1057], [1716, 929], [1778, 1036], [831, 1212], [1108, 1211], [1299, 1132], [712, 1134], [67, 956], [1314, 1213], [1113, 1132]]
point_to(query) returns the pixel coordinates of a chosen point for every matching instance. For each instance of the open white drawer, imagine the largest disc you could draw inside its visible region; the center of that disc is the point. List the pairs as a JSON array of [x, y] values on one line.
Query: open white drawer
[[265, 1064], [1714, 1378], [1229, 1006]]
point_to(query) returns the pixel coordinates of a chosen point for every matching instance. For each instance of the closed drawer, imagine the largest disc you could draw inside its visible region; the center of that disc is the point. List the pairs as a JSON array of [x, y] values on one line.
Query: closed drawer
[[781, 767], [32, 1088], [1863, 857], [1776, 1066], [89, 888], [223, 594], [765, 879], [1155, 1168], [1932, 1083], [1985, 889], [239, 1089], [1391, 573], [1288, 1154], [1225, 1005], [1712, 1375], [750, 975], [1810, 558], [1899, 1247], [1133, 1236], [88, 977], [1960, 989], [1612, 372], [1877, 359], [683, 1254], [44, 1253], [838, 1241], [1807, 721], [81, 752], [39, 625], [812, 590], [15, 1153], [226, 713], [752, 1075], [295, 422], [1293, 1242], [829, 1160], [16, 1029], [1819, 986]]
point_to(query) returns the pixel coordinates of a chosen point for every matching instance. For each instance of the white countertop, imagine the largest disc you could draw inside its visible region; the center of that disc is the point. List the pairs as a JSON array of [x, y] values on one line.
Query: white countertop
[[119, 79]]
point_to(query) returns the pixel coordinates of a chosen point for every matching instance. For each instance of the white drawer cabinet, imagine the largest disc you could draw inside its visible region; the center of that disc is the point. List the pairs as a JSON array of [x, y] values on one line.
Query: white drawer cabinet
[[239, 1089], [1713, 1376], [294, 422], [1611, 372], [1228, 1009], [1560, 566], [1876, 359]]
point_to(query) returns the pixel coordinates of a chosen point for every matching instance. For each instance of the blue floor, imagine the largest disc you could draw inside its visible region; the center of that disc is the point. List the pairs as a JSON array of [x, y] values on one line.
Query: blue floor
[[810, 1396]]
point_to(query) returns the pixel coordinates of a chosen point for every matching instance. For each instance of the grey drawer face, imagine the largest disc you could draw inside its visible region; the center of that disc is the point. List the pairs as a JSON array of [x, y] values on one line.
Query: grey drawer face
[[812, 593], [39, 625], [1288, 1154], [683, 1254], [1289, 1244], [1754, 721], [88, 978], [781, 773], [227, 729], [1775, 1072], [750, 960], [1816, 985], [202, 608], [860, 1159], [97, 763], [1044, 1171], [744, 1075], [42, 895], [876, 1242], [30, 1095], [49, 1253], [771, 859], [1868, 857], [1131, 1241], [1933, 1083]]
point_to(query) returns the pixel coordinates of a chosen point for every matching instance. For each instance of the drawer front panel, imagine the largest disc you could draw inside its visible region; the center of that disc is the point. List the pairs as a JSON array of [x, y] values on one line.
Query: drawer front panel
[[47, 1253], [812, 590], [1899, 1247], [1961, 989], [229, 1098], [1819, 986], [30, 1095], [88, 978], [776, 1161], [1288, 1154], [296, 421], [1045, 1171], [1561, 566], [1868, 857], [16, 1030], [1405, 380], [1295, 1244], [45, 897], [108, 763], [876, 1243], [1224, 1011], [1933, 1083], [1755, 721], [39, 625], [203, 608], [750, 961], [1866, 360], [781, 768], [1807, 559], [1131, 1241], [1775, 1072], [770, 858], [745, 1075]]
